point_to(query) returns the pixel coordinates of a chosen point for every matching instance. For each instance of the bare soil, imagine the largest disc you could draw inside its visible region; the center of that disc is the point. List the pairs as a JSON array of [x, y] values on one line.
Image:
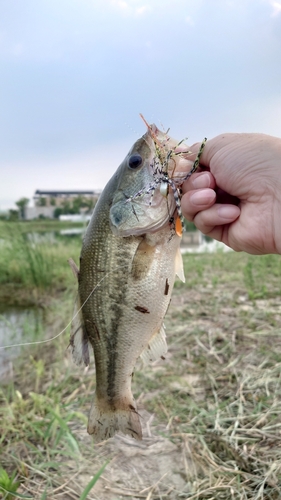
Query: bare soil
[[211, 411]]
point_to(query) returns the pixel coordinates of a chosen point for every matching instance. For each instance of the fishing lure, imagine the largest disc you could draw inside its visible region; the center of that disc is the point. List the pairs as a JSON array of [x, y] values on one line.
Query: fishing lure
[[160, 168]]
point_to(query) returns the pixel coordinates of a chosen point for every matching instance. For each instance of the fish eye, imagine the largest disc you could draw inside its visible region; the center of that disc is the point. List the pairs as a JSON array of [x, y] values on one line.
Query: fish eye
[[135, 161]]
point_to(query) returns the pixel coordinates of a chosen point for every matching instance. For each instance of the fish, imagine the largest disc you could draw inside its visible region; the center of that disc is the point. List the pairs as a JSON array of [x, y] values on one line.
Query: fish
[[129, 259]]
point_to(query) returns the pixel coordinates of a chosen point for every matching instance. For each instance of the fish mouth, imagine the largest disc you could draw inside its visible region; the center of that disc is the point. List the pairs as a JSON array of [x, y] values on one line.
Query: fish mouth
[[140, 215], [138, 231]]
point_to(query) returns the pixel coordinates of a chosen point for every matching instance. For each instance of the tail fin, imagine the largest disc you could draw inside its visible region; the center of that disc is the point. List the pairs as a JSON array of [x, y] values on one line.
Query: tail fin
[[104, 421]]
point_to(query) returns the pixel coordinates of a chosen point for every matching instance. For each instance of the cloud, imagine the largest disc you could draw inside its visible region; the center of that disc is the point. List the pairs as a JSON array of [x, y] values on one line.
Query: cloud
[[121, 4], [276, 8], [129, 7], [18, 49], [90, 169], [189, 20], [142, 10]]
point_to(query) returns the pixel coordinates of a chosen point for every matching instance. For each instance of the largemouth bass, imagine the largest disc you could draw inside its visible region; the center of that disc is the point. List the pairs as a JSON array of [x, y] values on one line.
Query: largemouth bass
[[129, 259]]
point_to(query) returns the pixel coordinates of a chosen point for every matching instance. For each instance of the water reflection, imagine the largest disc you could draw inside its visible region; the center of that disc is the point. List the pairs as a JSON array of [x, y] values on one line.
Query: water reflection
[[16, 325], [78, 231], [24, 325], [51, 237]]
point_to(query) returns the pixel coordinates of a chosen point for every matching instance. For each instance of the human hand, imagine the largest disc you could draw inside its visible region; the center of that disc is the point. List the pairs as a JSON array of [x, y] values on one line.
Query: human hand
[[238, 200]]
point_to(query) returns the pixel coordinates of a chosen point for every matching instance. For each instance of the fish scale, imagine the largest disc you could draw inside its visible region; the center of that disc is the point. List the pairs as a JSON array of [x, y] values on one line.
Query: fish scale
[[129, 259]]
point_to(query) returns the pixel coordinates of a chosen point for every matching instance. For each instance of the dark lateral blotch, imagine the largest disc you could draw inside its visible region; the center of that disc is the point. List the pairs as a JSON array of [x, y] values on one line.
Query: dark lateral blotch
[[167, 286], [143, 310]]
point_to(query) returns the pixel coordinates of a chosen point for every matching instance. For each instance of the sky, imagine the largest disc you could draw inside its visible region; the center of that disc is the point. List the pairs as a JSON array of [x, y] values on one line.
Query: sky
[[75, 74]]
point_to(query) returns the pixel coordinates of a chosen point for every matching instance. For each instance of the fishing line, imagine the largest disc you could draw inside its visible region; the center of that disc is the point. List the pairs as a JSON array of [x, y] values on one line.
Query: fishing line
[[77, 312], [62, 331], [194, 168]]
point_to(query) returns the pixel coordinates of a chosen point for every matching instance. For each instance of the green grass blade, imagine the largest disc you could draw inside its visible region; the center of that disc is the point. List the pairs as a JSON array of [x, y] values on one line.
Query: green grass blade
[[44, 494], [14, 493], [92, 483]]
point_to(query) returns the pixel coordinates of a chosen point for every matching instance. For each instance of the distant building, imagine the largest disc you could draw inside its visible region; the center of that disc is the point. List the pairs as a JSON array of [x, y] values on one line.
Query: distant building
[[45, 202], [35, 212], [57, 198]]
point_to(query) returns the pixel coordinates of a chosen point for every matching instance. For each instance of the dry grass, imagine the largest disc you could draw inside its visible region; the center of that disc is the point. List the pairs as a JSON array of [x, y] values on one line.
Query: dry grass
[[211, 411]]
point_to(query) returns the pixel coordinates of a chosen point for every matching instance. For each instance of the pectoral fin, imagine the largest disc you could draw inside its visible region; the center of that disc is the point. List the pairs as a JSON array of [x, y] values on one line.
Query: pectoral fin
[[74, 268], [179, 265], [156, 348]]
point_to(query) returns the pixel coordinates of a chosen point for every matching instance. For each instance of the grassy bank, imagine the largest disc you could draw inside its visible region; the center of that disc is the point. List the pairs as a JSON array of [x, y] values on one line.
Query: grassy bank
[[33, 263], [216, 399], [38, 225]]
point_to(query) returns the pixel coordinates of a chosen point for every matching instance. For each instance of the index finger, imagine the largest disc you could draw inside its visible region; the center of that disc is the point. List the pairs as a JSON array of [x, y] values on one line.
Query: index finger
[[216, 146]]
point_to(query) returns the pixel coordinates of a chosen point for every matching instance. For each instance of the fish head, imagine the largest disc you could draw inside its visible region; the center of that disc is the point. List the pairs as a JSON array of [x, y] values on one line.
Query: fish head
[[144, 201]]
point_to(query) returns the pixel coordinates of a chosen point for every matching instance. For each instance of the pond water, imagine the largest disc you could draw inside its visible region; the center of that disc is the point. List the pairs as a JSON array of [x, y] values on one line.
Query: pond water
[[52, 236], [16, 325], [25, 325]]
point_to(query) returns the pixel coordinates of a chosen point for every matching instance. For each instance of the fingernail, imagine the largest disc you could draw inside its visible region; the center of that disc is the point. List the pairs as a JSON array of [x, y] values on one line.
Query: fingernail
[[228, 212], [203, 197], [202, 181]]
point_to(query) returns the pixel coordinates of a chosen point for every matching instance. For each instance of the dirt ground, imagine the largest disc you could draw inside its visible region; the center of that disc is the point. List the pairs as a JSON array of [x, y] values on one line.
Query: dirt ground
[[215, 364], [211, 411]]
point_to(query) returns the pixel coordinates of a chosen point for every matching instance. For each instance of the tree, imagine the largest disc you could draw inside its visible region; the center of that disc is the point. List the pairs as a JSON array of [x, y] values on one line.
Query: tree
[[77, 203], [57, 212], [22, 204], [90, 204], [42, 202], [13, 214]]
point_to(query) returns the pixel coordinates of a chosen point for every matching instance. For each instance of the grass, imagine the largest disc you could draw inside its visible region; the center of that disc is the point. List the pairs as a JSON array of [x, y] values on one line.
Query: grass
[[8, 485], [33, 267], [220, 387], [216, 398], [39, 225], [41, 411]]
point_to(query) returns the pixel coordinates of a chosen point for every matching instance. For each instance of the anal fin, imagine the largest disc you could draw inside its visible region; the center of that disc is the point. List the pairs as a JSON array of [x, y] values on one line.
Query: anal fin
[[157, 347]]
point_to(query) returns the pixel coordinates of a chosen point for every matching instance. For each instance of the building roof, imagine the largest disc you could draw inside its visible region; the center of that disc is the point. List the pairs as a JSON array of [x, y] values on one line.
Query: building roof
[[58, 193]]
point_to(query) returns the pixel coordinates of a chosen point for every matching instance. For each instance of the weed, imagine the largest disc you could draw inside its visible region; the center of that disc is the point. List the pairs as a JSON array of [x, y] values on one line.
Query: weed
[[39, 371], [215, 398], [28, 264], [92, 483], [9, 486]]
